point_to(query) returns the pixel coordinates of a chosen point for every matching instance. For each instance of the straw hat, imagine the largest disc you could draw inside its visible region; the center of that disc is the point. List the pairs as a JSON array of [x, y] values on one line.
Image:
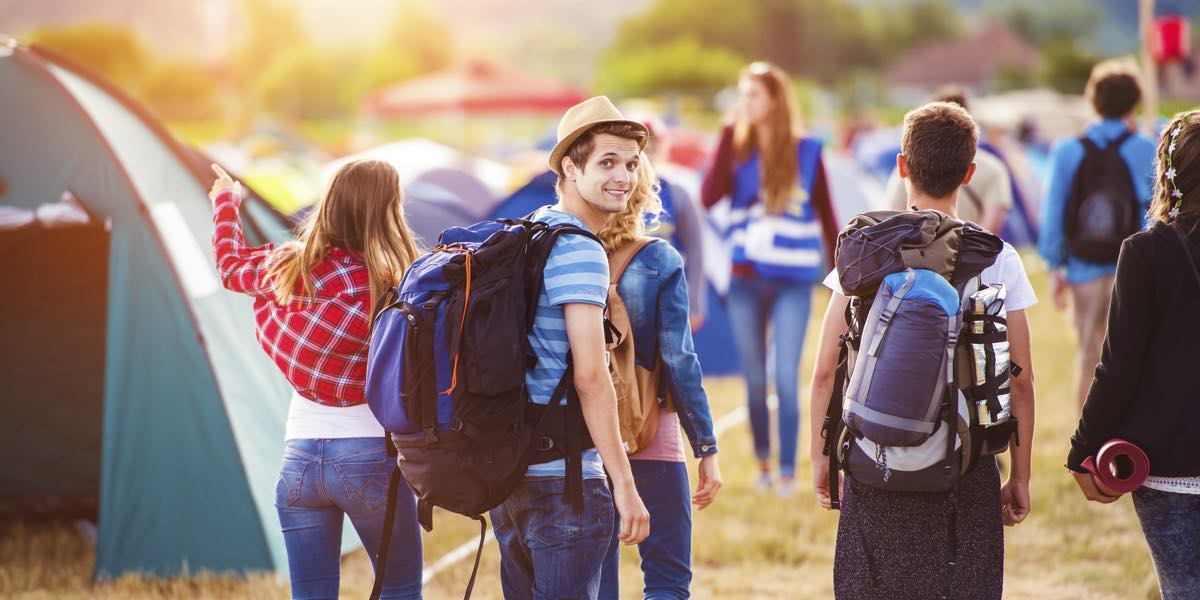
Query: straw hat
[[582, 117]]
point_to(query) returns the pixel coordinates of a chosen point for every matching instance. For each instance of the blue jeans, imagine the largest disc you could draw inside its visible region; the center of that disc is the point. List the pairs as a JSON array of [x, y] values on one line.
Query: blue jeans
[[321, 480], [1171, 524], [667, 552], [753, 304], [547, 550]]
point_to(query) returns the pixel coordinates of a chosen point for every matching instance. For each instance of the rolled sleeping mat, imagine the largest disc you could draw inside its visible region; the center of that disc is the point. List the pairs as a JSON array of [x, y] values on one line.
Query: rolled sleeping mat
[[1120, 465]]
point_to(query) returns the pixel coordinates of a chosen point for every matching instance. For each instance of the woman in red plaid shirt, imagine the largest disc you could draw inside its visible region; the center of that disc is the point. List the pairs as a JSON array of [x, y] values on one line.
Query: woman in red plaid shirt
[[313, 302]]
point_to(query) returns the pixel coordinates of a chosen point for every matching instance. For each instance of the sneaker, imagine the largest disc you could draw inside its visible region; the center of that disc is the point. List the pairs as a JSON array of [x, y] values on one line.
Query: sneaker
[[787, 487], [764, 482]]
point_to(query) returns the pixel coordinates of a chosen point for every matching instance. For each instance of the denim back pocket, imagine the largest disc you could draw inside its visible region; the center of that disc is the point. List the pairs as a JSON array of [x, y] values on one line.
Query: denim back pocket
[[366, 483], [290, 482]]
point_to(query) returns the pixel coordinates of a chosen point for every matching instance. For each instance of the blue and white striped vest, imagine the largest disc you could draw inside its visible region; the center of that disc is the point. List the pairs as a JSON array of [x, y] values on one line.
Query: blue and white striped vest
[[785, 246]]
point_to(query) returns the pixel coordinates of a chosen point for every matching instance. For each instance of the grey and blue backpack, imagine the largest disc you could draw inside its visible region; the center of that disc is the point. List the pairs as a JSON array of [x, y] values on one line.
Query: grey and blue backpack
[[921, 390]]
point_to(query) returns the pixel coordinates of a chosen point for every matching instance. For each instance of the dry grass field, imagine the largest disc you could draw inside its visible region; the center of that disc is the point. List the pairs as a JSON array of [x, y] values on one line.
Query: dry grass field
[[748, 545]]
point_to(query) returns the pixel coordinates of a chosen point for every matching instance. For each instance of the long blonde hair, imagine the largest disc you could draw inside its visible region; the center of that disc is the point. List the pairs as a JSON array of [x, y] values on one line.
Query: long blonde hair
[[1186, 162], [777, 156], [362, 211], [630, 224]]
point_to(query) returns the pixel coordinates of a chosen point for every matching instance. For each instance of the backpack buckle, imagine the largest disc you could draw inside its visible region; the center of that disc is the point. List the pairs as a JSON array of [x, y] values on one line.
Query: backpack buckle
[[545, 444]]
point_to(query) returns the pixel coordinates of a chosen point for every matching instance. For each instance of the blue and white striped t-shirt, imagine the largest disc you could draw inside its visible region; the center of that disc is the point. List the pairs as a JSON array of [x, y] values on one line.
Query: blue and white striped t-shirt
[[577, 271]]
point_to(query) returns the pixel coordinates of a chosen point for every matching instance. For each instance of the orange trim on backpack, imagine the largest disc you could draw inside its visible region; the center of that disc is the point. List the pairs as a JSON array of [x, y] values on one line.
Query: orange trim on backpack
[[458, 249]]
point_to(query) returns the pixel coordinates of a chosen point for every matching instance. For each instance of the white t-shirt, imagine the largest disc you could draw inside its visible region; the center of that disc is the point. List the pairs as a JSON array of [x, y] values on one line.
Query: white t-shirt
[[1007, 270], [308, 420]]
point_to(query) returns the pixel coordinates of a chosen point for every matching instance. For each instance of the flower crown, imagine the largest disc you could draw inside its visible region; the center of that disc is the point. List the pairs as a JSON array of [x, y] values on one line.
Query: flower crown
[[1176, 193]]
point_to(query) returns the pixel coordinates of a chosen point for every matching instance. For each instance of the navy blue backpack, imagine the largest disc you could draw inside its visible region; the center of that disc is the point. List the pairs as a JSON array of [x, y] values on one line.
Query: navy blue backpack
[[446, 375]]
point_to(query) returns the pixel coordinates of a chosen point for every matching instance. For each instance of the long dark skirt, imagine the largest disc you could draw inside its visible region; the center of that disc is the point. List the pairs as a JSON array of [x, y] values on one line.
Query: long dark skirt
[[905, 535]]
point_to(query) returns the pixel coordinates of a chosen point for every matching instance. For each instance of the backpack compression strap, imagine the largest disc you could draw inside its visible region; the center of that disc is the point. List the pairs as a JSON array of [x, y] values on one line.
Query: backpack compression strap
[[389, 520], [831, 429]]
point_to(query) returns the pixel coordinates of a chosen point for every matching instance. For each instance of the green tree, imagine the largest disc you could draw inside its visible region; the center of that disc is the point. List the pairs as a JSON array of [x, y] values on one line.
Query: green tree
[[272, 29], [897, 27], [682, 64], [181, 90], [420, 35], [114, 51], [1044, 23], [1066, 66], [821, 39], [1058, 29], [309, 83]]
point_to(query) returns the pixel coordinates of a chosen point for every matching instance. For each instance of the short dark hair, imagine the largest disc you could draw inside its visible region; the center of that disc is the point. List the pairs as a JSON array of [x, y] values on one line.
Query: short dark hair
[[1113, 88], [954, 94], [581, 150], [938, 144]]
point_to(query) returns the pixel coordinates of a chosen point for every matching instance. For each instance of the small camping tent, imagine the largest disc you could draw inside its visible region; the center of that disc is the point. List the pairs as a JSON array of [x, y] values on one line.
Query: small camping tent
[[442, 186], [177, 424]]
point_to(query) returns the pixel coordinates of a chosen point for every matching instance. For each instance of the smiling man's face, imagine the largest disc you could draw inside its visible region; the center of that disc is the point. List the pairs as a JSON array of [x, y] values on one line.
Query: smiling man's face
[[610, 173]]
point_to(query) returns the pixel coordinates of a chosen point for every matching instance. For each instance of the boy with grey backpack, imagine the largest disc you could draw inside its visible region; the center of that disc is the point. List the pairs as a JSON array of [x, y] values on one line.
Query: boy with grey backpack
[[923, 375]]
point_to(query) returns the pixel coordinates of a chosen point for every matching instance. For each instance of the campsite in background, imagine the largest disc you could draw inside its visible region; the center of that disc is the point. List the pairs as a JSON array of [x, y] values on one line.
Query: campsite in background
[[141, 420]]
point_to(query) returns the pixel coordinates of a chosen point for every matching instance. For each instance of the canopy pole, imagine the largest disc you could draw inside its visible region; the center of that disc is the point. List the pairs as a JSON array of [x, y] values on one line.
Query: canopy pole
[[1149, 71]]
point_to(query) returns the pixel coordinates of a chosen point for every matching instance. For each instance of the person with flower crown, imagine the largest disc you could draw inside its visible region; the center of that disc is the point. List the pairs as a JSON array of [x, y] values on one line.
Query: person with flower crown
[[1142, 391], [1087, 194]]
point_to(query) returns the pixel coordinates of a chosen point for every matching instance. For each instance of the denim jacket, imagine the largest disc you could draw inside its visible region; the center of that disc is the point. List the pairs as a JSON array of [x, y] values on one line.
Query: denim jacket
[[654, 290]]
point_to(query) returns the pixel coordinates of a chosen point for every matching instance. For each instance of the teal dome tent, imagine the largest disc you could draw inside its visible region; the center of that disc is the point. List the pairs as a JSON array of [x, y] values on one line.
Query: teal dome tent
[[129, 375]]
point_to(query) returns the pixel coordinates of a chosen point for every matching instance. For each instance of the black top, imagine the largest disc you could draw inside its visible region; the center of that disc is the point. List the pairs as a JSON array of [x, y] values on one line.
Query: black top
[[1147, 386]]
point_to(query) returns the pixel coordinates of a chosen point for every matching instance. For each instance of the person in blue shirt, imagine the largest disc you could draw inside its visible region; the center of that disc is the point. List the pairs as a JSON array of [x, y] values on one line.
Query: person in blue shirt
[[1114, 92], [548, 549], [679, 222]]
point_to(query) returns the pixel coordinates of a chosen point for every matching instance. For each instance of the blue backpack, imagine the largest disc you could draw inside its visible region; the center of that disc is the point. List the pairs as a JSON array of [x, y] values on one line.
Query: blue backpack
[[446, 375]]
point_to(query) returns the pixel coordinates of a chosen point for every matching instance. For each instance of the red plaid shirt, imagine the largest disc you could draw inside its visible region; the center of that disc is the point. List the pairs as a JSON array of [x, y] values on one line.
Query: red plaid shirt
[[320, 343]]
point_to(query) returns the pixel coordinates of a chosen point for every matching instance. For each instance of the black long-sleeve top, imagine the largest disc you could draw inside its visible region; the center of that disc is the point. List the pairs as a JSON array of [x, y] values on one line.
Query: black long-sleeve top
[[1147, 385]]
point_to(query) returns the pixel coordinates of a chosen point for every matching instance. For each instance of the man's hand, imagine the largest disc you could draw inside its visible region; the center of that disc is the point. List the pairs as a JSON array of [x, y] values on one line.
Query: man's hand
[[1059, 288], [635, 520], [709, 484], [224, 183], [1014, 501], [820, 475], [1093, 490]]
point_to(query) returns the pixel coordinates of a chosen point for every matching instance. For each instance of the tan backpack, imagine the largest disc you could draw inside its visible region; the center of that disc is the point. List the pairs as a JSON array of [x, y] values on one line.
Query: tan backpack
[[637, 388]]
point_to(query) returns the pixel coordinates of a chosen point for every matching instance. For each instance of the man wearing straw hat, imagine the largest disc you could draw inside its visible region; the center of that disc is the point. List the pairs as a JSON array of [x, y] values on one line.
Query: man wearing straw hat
[[548, 549]]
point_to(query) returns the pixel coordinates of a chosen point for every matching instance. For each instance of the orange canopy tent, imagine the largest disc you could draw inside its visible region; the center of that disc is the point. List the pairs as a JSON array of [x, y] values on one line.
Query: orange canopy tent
[[476, 87]]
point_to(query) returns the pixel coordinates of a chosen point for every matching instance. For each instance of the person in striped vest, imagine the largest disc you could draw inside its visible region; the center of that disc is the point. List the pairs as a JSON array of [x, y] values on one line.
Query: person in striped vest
[[781, 232]]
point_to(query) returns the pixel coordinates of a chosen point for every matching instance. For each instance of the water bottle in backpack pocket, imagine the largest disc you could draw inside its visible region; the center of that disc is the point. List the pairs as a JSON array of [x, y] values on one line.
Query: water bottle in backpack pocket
[[985, 370]]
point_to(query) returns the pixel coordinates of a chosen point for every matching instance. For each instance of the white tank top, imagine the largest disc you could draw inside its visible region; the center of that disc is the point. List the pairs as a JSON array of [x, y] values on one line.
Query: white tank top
[[308, 420]]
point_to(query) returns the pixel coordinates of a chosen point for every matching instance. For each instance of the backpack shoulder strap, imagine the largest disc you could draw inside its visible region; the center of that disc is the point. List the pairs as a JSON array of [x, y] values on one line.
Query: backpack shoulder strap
[[1116, 144], [1089, 147], [619, 260]]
